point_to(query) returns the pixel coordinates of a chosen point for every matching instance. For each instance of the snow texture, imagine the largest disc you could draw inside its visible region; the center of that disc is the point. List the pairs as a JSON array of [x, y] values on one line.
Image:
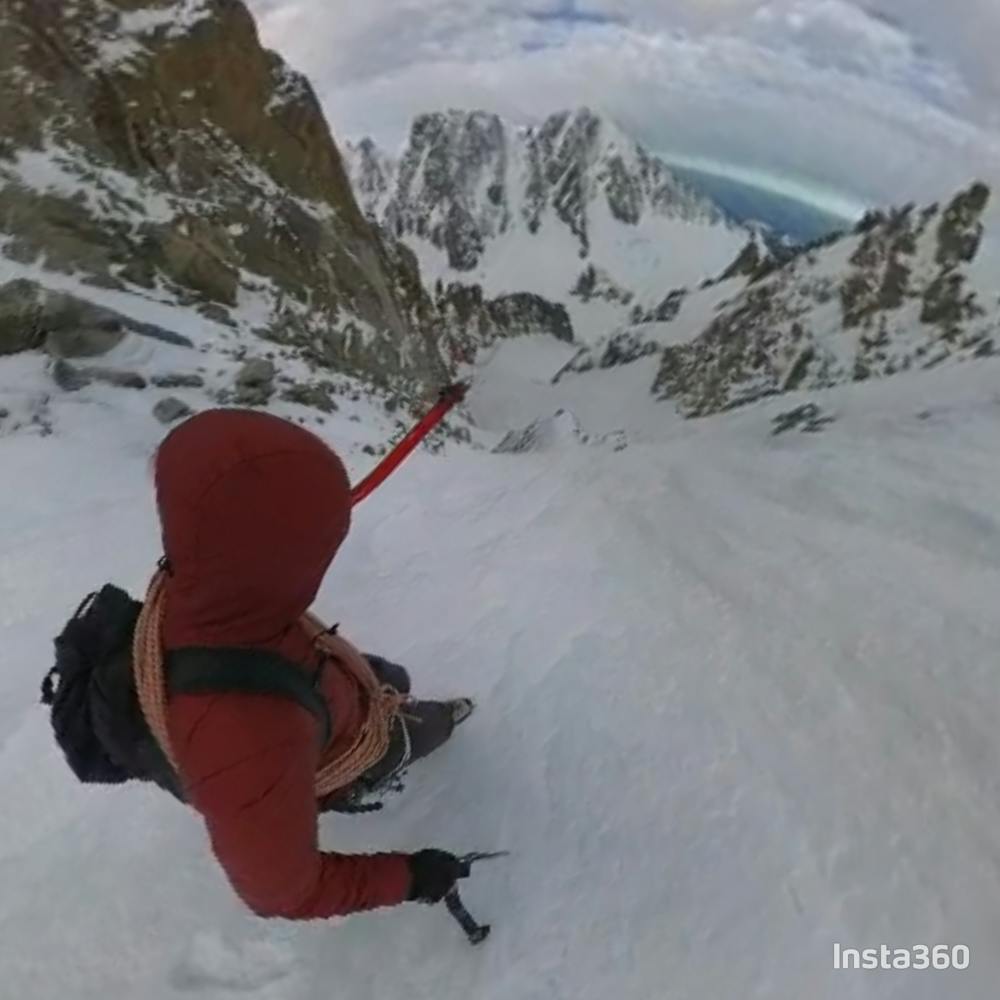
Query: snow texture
[[737, 702], [177, 17], [125, 47], [290, 88], [110, 195]]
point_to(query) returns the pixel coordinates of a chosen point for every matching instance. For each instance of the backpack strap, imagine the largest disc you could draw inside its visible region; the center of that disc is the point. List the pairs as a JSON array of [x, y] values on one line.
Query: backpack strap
[[198, 670]]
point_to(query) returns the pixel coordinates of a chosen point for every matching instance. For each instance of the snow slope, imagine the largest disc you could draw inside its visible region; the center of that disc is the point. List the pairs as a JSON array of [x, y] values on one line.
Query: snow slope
[[666, 254], [738, 703]]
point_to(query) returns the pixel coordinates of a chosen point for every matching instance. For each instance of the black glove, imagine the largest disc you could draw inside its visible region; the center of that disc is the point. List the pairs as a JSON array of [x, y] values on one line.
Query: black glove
[[433, 875]]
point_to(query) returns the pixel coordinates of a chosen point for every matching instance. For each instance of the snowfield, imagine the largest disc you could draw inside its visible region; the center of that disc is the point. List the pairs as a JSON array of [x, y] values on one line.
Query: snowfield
[[738, 703]]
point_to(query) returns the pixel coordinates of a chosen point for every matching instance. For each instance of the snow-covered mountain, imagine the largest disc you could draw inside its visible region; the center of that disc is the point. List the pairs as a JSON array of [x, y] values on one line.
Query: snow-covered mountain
[[130, 159], [131, 163], [736, 683], [554, 209], [909, 289]]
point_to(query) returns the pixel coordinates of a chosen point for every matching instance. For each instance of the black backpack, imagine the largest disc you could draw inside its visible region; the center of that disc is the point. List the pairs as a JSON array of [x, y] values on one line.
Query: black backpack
[[95, 711], [102, 626]]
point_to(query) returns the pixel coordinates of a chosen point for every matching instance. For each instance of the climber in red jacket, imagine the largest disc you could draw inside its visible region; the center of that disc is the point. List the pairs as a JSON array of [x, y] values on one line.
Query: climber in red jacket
[[253, 511]]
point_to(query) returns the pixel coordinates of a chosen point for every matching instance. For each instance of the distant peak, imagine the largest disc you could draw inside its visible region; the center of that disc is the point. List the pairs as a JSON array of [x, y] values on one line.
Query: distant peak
[[592, 128], [366, 148], [583, 114], [455, 116]]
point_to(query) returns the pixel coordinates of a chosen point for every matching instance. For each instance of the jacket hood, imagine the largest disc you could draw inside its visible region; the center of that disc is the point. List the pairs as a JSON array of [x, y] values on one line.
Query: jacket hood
[[253, 510]]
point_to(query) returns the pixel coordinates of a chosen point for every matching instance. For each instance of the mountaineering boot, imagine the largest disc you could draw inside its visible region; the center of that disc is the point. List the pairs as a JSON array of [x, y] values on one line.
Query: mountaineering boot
[[461, 709]]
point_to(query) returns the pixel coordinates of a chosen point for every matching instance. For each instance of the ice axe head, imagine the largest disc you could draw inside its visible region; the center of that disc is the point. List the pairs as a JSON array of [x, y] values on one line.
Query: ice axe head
[[468, 860]]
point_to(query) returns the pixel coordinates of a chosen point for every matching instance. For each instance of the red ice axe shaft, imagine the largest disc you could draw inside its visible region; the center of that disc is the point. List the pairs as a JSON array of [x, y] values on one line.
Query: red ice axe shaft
[[450, 398]]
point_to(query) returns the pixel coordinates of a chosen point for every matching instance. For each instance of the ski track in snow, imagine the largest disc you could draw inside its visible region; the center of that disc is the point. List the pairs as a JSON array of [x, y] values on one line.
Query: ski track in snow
[[737, 703]]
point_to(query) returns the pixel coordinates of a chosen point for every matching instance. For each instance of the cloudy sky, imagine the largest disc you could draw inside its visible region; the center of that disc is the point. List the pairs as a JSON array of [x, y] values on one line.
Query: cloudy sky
[[841, 101]]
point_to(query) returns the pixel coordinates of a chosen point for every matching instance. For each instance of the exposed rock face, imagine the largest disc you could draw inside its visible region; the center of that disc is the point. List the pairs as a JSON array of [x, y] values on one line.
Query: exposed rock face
[[746, 264], [542, 435], [255, 382], [808, 418], [116, 377], [909, 289], [552, 432], [66, 326], [622, 348], [155, 143], [665, 312], [594, 283], [178, 381], [319, 396], [68, 377], [20, 329], [82, 342], [479, 322], [71, 378], [171, 409], [373, 174]]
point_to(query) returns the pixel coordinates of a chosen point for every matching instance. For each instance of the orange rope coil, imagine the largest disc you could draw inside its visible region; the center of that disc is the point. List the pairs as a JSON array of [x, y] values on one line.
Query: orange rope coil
[[333, 773]]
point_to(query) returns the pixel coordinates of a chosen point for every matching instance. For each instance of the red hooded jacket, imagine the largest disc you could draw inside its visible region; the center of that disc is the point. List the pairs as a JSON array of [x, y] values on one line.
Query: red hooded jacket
[[253, 510]]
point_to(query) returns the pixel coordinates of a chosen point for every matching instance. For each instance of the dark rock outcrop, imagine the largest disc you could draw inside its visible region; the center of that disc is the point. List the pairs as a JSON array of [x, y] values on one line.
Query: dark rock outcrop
[[171, 409], [161, 146], [255, 382], [906, 296]]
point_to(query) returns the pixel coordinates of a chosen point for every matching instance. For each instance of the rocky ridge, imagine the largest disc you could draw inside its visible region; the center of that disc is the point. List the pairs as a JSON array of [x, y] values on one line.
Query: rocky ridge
[[572, 210], [909, 289], [156, 151]]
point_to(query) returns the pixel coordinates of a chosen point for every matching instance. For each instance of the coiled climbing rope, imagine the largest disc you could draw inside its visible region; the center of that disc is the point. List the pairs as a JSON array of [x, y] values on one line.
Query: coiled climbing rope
[[334, 774]]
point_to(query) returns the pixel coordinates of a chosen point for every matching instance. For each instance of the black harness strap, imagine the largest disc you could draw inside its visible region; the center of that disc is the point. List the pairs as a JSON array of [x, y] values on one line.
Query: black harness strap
[[204, 670]]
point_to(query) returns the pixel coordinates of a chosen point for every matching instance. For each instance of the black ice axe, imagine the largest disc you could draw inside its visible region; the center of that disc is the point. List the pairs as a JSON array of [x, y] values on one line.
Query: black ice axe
[[476, 933]]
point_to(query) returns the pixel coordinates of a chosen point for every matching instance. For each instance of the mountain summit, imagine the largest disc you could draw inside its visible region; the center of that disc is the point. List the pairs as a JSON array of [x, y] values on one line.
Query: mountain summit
[[571, 209]]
